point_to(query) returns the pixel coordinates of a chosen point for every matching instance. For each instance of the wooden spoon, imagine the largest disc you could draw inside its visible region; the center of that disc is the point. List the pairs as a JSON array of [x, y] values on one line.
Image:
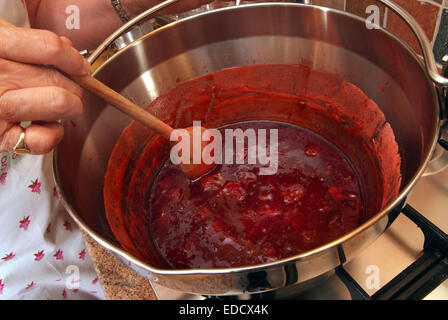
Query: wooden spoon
[[99, 89]]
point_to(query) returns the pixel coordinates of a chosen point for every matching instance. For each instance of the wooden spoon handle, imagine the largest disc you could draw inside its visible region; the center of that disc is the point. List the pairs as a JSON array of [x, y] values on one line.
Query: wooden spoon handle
[[99, 89]]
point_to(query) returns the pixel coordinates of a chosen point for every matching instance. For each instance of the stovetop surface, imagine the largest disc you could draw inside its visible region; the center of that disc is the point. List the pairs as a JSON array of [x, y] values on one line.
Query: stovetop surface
[[389, 255]]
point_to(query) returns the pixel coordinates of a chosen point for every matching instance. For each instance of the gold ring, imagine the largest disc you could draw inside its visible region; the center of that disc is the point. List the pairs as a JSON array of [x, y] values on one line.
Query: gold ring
[[21, 147]]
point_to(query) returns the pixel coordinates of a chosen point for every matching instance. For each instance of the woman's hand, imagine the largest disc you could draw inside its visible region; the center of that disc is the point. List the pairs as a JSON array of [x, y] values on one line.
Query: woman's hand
[[32, 90]]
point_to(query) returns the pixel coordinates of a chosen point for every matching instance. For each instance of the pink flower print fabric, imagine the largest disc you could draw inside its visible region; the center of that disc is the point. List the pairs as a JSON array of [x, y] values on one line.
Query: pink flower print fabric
[[29, 285], [3, 176], [68, 226], [35, 186], [39, 255], [8, 256], [42, 252], [56, 192], [24, 223], [59, 255], [82, 254]]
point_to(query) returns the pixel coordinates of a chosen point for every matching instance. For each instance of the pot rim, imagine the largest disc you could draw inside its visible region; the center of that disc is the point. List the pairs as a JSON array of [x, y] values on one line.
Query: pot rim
[[293, 259]]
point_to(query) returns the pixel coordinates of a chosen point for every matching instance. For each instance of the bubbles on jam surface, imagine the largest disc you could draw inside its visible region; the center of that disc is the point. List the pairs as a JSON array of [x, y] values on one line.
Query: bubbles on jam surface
[[235, 217]]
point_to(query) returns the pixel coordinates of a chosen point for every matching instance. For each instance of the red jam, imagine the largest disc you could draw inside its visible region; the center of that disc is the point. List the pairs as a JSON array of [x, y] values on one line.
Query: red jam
[[233, 216]]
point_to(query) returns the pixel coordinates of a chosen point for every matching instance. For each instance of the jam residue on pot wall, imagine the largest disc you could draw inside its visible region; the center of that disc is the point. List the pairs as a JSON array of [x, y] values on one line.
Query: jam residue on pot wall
[[341, 168]]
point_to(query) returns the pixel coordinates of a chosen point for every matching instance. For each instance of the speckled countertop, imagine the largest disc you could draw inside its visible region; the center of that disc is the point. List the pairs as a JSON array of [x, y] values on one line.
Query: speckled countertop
[[117, 280]]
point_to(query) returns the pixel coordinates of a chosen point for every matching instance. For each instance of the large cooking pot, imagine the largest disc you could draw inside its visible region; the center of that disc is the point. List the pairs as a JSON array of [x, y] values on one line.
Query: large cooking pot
[[271, 33]]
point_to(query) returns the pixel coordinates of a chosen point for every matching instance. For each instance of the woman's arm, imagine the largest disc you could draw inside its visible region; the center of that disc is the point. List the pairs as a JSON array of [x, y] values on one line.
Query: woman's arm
[[98, 18]]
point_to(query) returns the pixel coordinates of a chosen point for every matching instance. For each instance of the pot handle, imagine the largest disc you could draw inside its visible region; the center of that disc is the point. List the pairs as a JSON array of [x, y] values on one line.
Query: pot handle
[[144, 16], [423, 41], [148, 14], [440, 156], [439, 160]]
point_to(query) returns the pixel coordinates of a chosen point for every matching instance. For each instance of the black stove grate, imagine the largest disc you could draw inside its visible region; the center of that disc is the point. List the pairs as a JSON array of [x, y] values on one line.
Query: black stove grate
[[421, 277]]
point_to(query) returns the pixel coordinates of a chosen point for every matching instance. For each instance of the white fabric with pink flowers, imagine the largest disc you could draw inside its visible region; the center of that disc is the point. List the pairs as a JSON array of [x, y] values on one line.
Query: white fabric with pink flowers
[[42, 253]]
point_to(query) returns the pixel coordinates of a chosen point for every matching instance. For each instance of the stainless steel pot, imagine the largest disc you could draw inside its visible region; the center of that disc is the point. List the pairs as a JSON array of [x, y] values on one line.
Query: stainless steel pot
[[325, 39]]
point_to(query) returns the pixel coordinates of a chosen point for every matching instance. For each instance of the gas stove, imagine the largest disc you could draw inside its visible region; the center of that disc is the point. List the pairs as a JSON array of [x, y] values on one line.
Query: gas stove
[[409, 261]]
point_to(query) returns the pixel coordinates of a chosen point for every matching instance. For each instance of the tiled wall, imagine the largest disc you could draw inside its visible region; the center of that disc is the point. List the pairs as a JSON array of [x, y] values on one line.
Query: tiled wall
[[432, 15]]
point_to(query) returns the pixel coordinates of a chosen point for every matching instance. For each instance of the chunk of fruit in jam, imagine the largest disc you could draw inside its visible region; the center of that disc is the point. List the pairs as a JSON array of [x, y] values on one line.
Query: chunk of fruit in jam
[[336, 193], [212, 182], [246, 177], [269, 253], [233, 191], [292, 193], [311, 150], [266, 192]]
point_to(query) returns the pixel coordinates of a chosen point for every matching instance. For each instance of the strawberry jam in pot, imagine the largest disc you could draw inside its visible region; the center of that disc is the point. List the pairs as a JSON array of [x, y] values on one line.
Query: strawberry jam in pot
[[234, 216]]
